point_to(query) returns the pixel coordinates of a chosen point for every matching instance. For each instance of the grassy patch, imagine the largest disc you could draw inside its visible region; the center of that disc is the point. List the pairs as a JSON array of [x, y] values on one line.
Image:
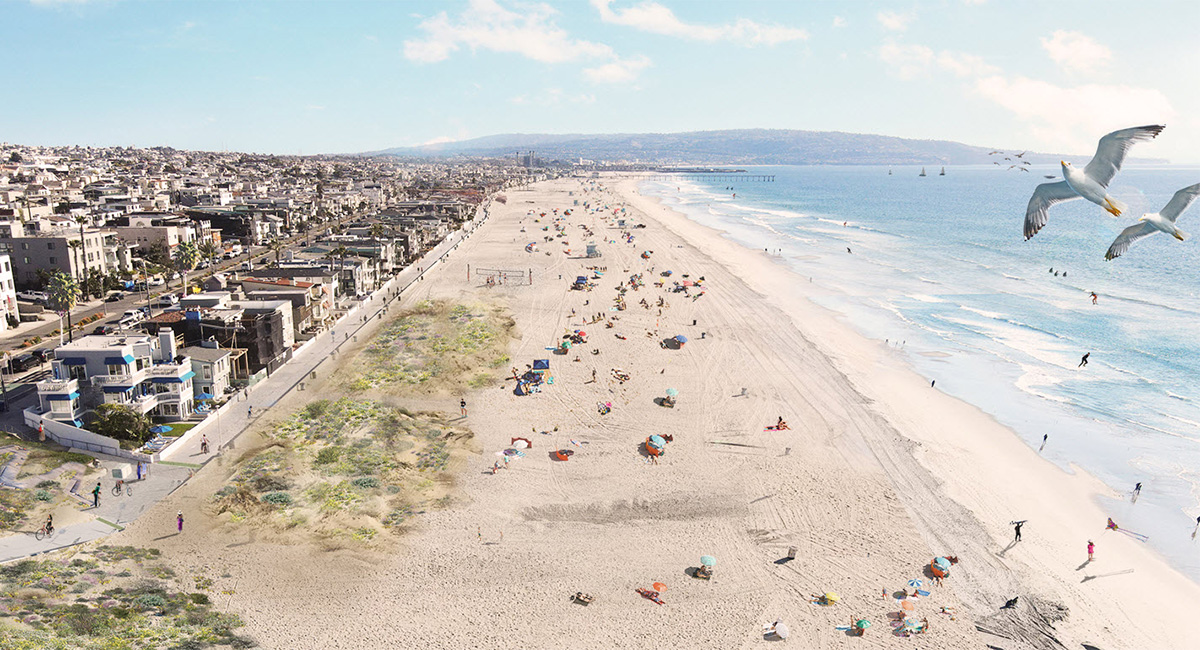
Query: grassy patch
[[87, 603], [45, 456]]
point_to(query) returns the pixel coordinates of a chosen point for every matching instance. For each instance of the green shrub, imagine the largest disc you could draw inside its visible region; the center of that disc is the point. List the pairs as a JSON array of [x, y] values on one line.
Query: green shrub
[[199, 599], [43, 495], [277, 498], [269, 483], [328, 455], [47, 485], [150, 602], [366, 482]]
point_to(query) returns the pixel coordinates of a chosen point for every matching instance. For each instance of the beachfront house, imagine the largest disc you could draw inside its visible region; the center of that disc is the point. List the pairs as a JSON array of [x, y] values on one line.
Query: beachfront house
[[213, 367], [139, 371]]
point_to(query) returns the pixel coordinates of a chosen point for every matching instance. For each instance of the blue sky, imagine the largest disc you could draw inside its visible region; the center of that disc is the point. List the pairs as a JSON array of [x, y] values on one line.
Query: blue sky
[[348, 76]]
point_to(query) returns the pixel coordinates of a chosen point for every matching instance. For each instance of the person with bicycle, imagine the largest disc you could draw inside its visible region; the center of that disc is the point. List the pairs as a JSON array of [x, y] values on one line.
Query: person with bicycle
[[204, 444], [49, 525]]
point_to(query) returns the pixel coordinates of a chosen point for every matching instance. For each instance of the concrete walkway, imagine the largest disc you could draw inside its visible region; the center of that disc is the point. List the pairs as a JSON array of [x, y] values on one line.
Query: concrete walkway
[[115, 513]]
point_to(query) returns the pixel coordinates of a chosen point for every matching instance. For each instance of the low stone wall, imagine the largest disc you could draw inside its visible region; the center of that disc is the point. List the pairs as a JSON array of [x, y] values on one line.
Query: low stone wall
[[81, 439]]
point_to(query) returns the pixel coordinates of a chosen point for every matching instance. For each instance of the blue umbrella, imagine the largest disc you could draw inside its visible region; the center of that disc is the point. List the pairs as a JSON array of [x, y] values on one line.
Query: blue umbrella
[[160, 428], [658, 441], [681, 338], [205, 396]]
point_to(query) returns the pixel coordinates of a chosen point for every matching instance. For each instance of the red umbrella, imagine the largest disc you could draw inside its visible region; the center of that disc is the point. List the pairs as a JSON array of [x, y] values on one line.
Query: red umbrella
[[528, 443]]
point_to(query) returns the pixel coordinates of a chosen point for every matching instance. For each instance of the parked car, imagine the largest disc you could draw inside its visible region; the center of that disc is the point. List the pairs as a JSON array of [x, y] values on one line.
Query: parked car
[[33, 296], [134, 314], [42, 356], [166, 300], [157, 282], [20, 364], [115, 296], [106, 329]]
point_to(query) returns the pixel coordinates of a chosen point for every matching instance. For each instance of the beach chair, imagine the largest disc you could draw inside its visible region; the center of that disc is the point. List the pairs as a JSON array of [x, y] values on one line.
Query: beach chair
[[582, 598]]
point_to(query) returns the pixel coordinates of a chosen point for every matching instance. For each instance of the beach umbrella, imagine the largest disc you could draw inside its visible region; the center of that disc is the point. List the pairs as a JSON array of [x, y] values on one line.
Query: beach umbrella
[[907, 605], [782, 631], [160, 428], [205, 396], [521, 443], [671, 392], [708, 560], [862, 624], [659, 587], [915, 583], [658, 441], [832, 597], [681, 338]]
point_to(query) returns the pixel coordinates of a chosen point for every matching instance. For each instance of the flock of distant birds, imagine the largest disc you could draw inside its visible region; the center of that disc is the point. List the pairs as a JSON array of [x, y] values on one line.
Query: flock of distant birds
[[1019, 164]]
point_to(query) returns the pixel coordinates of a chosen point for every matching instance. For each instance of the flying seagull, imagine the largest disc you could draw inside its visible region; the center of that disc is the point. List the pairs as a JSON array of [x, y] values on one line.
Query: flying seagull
[[1092, 182], [992, 153], [1021, 154], [1164, 221]]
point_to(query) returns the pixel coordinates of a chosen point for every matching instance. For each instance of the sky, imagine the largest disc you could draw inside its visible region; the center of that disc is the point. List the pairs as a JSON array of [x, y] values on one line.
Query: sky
[[306, 77]]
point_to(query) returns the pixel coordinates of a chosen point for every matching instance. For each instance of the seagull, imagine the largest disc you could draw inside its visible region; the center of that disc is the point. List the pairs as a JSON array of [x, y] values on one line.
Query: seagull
[[992, 153], [1092, 182], [995, 163], [1018, 155], [1163, 220], [1007, 158]]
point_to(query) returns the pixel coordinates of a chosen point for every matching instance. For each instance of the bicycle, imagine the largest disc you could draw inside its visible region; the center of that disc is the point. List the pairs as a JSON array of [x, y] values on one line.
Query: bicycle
[[122, 485], [44, 532]]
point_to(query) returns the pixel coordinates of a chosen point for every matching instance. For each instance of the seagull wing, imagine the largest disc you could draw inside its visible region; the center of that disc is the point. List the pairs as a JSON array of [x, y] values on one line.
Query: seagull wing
[[1127, 237], [1046, 195], [1110, 153], [1180, 202]]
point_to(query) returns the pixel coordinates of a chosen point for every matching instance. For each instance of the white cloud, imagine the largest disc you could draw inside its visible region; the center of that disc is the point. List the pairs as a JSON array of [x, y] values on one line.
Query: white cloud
[[895, 22], [1076, 52], [657, 19], [912, 61], [441, 139], [965, 65], [57, 3], [1073, 118], [907, 61], [619, 71], [485, 25], [838, 21]]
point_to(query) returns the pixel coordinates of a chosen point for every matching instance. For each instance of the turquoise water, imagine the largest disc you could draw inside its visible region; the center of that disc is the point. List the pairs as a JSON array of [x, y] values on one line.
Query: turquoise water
[[939, 265]]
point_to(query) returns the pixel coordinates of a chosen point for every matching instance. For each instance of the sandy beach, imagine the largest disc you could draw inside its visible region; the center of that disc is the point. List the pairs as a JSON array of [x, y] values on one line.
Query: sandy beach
[[877, 475]]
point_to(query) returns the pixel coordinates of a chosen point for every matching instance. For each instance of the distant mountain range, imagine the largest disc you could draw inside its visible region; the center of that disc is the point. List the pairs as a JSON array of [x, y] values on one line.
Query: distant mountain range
[[732, 147]]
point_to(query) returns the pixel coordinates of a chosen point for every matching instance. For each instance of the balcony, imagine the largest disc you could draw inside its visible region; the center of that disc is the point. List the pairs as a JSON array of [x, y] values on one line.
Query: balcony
[[119, 380], [63, 386]]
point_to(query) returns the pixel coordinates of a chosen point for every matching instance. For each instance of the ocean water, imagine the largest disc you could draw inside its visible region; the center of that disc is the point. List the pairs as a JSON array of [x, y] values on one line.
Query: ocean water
[[940, 270]]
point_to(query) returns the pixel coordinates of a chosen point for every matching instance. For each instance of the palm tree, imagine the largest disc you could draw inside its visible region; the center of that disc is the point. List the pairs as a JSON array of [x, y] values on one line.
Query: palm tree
[[75, 245], [82, 221], [187, 255], [276, 246], [64, 295], [341, 252], [209, 250]]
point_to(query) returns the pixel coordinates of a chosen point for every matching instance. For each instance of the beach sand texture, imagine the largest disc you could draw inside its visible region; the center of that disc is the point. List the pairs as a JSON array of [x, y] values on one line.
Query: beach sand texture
[[878, 474]]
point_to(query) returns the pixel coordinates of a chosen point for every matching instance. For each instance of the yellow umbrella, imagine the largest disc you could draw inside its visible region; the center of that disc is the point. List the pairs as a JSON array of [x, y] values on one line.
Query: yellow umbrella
[[831, 597]]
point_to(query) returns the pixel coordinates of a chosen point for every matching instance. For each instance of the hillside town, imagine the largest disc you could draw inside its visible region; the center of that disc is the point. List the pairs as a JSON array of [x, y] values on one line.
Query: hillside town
[[149, 286]]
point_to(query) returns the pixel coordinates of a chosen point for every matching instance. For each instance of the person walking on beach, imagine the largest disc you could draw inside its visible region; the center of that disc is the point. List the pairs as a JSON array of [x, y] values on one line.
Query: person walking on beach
[[1094, 297], [96, 495], [249, 411], [1091, 551], [1084, 360], [1017, 530], [1045, 436], [139, 470], [179, 521], [462, 406]]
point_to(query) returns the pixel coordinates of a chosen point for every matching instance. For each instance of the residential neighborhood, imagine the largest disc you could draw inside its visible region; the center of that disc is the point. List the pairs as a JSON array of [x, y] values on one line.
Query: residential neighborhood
[[162, 282]]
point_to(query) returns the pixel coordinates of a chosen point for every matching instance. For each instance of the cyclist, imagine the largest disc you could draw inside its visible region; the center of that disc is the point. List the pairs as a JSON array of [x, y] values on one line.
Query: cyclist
[[204, 444], [49, 524]]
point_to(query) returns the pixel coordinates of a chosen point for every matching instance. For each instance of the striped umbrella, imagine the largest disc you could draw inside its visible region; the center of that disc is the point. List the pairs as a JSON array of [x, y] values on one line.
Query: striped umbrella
[[915, 583]]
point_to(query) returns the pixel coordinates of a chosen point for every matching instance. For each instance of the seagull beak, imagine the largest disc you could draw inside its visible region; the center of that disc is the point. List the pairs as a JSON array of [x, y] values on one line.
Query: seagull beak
[[1063, 163]]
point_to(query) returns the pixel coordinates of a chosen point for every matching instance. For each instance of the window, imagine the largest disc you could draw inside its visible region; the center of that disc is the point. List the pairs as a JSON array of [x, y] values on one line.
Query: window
[[118, 369], [207, 372], [77, 372], [53, 260], [25, 247], [26, 260], [50, 245]]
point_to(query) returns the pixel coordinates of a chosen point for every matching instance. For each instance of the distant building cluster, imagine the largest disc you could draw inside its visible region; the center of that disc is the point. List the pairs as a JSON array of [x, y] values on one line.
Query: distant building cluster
[[274, 249]]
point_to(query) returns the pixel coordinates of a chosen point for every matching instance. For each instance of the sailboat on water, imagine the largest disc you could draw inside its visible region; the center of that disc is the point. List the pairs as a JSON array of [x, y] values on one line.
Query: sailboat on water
[[922, 172], [889, 172], [943, 172]]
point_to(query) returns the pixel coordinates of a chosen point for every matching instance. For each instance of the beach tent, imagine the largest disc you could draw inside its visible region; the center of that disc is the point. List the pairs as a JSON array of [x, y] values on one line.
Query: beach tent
[[681, 339], [940, 567], [541, 364]]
